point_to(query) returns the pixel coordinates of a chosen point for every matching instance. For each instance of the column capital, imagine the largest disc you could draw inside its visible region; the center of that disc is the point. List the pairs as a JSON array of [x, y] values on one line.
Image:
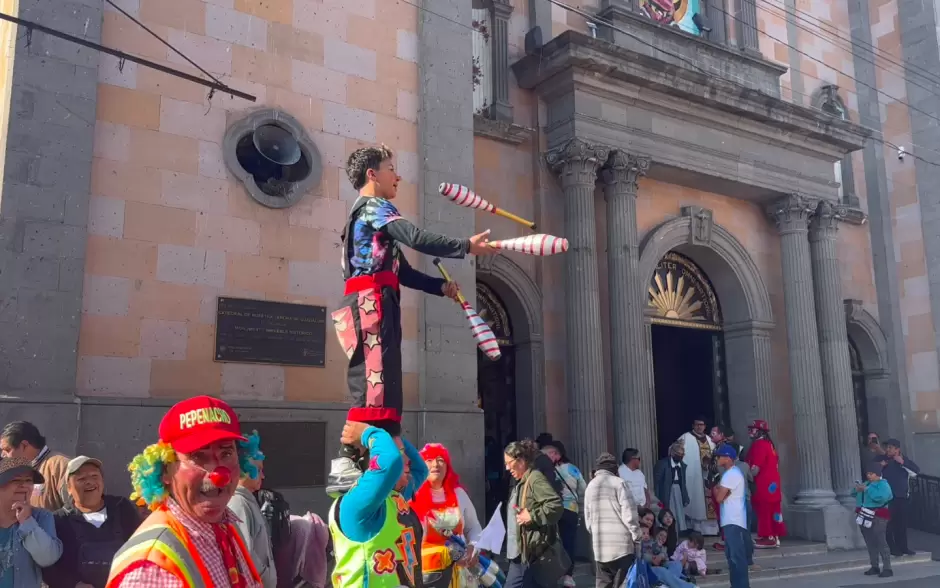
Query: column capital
[[623, 171], [502, 9], [577, 162], [791, 213], [825, 221]]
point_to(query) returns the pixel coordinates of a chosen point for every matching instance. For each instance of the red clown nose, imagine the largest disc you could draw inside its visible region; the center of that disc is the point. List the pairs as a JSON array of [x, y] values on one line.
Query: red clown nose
[[220, 477]]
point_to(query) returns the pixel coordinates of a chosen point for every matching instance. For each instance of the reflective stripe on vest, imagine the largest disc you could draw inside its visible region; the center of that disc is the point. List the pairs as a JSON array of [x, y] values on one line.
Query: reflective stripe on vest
[[161, 540]]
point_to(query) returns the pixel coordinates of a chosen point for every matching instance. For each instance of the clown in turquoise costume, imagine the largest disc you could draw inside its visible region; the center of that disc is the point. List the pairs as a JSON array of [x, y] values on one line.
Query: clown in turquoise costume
[[376, 535]]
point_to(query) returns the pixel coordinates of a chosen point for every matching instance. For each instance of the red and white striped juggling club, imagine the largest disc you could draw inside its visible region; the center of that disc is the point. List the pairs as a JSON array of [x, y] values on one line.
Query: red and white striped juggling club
[[464, 196], [540, 244], [484, 337]]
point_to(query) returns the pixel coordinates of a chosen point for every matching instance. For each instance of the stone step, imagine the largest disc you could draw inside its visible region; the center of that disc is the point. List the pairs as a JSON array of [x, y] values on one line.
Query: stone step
[[789, 566], [788, 548]]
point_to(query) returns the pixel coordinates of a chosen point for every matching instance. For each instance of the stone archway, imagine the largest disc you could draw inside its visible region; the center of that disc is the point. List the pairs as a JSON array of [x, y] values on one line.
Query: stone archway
[[523, 301], [885, 409], [748, 318]]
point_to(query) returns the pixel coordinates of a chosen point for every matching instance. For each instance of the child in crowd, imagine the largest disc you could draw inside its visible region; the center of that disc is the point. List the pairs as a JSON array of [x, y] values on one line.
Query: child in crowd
[[690, 554], [668, 521], [667, 572]]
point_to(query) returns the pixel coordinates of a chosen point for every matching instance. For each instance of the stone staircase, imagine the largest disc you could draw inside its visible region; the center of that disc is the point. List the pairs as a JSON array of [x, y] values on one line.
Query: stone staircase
[[792, 559]]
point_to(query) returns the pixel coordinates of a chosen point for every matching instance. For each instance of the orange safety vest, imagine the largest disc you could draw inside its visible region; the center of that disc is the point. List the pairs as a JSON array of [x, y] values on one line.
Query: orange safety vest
[[161, 539], [435, 556]]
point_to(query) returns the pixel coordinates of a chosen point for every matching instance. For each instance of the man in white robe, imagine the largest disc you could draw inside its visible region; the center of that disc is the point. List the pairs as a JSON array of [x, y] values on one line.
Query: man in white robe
[[698, 449]]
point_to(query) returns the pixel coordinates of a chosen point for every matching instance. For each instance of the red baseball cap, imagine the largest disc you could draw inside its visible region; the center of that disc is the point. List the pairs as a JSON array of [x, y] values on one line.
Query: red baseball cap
[[198, 422]]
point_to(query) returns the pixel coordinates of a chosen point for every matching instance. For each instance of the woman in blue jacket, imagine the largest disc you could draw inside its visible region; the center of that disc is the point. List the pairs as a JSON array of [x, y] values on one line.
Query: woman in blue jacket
[[871, 501]]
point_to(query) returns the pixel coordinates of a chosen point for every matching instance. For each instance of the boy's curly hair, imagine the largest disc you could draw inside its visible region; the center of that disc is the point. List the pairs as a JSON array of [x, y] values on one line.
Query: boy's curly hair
[[362, 160]]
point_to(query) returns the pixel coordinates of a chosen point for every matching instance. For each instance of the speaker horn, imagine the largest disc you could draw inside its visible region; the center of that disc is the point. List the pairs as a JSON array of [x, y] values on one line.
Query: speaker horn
[[276, 144]]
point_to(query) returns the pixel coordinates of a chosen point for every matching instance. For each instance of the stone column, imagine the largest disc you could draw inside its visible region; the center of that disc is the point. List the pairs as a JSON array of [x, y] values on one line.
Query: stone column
[[501, 109], [577, 163], [791, 215], [634, 401], [834, 350], [746, 19]]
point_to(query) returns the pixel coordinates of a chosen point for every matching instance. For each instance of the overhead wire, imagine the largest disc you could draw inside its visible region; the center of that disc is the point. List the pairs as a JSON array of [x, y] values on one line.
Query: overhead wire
[[823, 63], [724, 77], [736, 80], [851, 47], [171, 47], [864, 45], [856, 80]]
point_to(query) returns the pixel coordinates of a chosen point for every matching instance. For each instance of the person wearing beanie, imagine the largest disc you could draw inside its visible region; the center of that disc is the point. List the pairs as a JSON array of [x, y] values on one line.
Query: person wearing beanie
[[871, 500], [610, 516]]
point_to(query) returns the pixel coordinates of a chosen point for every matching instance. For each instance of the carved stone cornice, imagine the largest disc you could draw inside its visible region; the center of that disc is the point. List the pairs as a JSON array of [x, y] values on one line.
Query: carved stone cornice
[[500, 131], [854, 309], [855, 216], [502, 9], [825, 221], [577, 162], [624, 171], [791, 213]]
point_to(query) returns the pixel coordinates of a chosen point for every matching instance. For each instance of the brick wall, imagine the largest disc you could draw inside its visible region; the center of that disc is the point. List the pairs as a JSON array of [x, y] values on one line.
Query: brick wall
[[171, 229]]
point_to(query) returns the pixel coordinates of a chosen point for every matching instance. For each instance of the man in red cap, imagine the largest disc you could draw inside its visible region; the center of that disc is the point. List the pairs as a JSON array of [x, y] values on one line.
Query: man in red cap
[[187, 479]]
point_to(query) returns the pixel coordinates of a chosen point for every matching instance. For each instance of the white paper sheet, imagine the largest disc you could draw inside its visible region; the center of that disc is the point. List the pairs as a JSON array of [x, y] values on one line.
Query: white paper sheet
[[493, 535]]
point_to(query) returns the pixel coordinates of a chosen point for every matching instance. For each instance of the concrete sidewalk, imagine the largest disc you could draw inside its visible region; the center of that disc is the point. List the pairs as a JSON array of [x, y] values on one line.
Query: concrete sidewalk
[[921, 541], [921, 575]]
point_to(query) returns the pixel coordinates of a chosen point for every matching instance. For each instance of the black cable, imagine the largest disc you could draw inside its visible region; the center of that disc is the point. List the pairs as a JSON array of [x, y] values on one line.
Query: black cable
[[159, 38], [823, 63], [869, 47], [595, 18], [214, 85], [851, 45]]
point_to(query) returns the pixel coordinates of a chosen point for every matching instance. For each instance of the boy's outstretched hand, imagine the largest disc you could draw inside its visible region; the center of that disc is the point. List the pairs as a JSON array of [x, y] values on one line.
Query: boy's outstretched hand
[[451, 290], [478, 244]]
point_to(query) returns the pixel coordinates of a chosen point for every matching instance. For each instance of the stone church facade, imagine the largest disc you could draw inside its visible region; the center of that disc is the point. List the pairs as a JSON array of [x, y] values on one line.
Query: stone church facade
[[757, 143]]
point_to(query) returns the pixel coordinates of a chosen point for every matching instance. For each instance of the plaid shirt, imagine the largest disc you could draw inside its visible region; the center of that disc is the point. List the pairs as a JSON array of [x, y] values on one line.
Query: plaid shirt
[[610, 515], [151, 576]]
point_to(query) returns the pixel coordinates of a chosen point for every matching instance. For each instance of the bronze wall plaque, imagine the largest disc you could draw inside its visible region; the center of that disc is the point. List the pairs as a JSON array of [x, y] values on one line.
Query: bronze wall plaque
[[293, 452], [259, 331]]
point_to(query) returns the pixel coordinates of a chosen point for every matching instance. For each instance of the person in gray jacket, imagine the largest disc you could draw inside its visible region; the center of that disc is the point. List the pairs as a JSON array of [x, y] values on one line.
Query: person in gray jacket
[[251, 520], [611, 517], [27, 535]]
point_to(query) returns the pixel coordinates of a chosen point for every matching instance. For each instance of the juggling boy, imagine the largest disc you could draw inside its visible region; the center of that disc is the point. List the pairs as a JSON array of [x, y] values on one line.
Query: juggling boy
[[368, 322]]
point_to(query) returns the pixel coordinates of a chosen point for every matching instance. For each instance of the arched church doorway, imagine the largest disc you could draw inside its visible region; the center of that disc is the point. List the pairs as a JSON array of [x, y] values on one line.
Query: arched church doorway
[[861, 399], [688, 349], [496, 390]]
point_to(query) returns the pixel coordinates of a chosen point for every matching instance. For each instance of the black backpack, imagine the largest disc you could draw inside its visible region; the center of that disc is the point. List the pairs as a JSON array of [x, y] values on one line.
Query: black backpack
[[276, 513]]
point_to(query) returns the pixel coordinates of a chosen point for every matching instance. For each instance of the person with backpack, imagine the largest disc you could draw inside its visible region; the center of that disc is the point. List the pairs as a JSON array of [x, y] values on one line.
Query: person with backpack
[[277, 519], [572, 497], [251, 521]]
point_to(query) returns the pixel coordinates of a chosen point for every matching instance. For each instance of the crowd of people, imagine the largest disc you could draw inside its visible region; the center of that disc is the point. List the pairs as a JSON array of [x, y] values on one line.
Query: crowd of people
[[199, 515]]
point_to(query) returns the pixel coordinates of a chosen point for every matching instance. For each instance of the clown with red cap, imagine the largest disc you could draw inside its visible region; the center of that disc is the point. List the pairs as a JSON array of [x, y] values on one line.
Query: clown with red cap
[[187, 479], [767, 499]]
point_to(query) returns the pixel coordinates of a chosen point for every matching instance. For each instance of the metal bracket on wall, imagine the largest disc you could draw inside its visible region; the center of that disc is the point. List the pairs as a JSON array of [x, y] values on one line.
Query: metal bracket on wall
[[212, 85]]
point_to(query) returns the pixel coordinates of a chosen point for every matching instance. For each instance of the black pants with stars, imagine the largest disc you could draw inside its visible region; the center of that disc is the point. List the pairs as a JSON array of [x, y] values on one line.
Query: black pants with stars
[[368, 326]]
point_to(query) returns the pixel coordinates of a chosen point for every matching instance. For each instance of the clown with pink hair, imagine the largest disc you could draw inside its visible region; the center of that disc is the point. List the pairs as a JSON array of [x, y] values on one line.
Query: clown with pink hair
[[449, 519]]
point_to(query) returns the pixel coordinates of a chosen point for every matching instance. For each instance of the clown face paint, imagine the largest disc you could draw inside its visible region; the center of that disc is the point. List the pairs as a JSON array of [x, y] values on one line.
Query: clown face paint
[[204, 481]]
